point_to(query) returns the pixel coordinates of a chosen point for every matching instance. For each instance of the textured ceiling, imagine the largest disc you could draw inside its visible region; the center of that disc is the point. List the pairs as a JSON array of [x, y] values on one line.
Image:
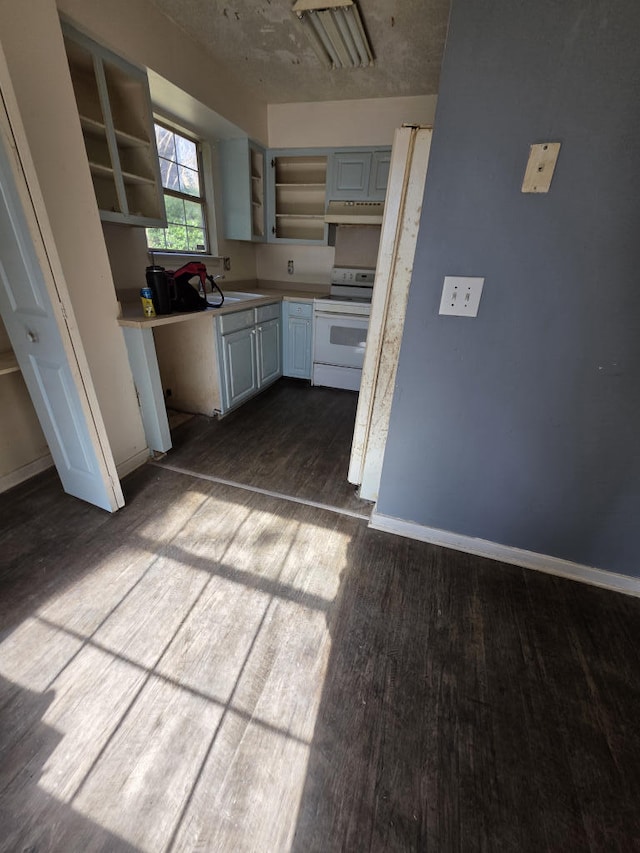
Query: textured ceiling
[[263, 45]]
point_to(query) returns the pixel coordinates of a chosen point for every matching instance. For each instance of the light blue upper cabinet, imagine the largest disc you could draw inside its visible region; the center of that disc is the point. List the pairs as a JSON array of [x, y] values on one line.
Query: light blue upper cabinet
[[350, 175], [359, 175], [296, 195], [379, 178], [242, 170], [116, 118]]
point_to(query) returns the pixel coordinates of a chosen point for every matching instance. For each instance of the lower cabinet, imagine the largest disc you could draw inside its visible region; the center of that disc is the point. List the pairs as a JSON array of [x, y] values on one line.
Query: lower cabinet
[[250, 352], [269, 346], [239, 364], [297, 318]]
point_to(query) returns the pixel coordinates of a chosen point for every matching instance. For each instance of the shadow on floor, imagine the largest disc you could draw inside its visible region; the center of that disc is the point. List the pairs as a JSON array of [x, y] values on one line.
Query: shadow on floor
[[473, 706], [30, 819]]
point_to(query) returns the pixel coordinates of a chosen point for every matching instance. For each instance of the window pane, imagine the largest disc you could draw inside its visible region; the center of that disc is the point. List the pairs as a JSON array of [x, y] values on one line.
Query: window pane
[[196, 239], [186, 152], [175, 209], [156, 238], [177, 237], [179, 169], [169, 173], [189, 181], [193, 214], [165, 140]]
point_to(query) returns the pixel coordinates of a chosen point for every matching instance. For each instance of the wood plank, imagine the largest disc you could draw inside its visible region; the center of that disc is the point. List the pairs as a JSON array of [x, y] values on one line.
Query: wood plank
[[141, 781]]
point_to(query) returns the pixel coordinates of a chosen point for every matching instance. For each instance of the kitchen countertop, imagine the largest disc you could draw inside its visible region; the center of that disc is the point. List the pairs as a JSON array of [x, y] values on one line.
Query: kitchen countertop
[[132, 310]]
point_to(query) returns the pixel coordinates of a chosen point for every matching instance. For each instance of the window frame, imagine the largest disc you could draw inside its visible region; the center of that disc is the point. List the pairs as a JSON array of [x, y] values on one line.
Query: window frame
[[202, 199]]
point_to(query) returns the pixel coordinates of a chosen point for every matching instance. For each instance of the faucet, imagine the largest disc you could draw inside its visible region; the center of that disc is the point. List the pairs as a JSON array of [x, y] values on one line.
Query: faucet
[[214, 278]]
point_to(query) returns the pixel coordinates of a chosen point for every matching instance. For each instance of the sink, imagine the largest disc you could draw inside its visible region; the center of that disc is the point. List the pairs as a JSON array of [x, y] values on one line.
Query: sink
[[239, 296], [234, 296]]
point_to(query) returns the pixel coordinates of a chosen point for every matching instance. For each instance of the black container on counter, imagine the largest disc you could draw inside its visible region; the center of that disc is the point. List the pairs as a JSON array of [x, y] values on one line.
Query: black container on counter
[[158, 281]]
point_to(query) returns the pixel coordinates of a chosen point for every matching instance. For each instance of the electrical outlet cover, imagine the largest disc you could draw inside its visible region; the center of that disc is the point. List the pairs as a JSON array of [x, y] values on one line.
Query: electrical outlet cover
[[461, 296]]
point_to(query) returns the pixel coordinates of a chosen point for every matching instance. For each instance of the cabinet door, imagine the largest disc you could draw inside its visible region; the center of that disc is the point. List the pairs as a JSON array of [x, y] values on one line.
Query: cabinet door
[[298, 362], [239, 359], [350, 175], [258, 196], [379, 178], [269, 352], [242, 177]]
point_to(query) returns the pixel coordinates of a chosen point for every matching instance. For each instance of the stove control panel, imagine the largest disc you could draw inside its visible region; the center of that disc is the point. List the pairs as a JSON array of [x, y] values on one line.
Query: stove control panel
[[352, 275]]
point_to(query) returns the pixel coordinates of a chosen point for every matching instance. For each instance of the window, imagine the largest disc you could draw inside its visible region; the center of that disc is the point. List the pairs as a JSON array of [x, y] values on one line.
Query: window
[[184, 202]]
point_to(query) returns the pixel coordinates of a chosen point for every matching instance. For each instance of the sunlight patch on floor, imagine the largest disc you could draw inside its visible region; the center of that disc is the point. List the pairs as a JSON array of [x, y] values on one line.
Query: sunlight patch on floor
[[33, 654], [184, 674]]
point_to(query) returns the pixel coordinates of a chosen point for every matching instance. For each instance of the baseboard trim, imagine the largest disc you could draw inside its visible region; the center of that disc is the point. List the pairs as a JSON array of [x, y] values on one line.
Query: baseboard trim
[[506, 554], [18, 476], [133, 462]]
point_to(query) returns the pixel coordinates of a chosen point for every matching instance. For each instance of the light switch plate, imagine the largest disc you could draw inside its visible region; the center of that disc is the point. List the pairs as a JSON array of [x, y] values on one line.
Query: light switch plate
[[461, 296], [540, 167]]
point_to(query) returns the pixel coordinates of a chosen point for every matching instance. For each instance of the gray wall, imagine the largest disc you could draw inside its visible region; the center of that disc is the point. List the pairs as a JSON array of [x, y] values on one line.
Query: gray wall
[[523, 426]]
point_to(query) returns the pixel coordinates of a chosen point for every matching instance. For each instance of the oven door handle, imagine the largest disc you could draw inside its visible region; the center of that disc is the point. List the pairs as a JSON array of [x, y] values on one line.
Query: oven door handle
[[331, 315]]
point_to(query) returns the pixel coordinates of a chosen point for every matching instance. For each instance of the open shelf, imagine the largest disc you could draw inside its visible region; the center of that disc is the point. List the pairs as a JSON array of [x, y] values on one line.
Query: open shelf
[[126, 140], [300, 216], [130, 178], [93, 127], [8, 363], [100, 170], [305, 208], [301, 170], [300, 193], [117, 124], [256, 173], [299, 227]]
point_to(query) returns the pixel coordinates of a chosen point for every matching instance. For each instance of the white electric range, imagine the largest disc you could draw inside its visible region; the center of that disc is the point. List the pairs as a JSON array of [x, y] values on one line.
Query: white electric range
[[340, 325]]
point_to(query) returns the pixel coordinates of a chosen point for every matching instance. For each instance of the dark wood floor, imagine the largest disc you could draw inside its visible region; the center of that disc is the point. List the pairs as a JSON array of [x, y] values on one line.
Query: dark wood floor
[[292, 439], [214, 669]]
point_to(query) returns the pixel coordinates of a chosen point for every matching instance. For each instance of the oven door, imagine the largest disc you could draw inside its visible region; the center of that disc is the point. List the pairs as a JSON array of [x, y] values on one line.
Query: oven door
[[339, 339]]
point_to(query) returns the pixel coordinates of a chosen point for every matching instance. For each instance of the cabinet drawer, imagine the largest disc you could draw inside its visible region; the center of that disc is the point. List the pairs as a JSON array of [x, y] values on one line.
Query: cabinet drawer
[[267, 312], [236, 321], [300, 309]]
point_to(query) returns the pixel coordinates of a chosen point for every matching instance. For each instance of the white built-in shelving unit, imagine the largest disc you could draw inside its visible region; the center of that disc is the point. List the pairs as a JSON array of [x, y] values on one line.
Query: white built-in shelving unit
[[117, 124]]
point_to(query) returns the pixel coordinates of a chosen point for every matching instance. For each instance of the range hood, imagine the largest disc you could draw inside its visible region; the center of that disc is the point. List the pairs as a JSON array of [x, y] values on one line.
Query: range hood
[[354, 212]]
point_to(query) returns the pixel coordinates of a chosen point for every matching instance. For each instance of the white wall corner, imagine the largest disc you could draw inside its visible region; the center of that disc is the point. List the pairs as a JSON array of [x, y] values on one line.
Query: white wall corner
[[135, 461], [13, 478], [506, 554]]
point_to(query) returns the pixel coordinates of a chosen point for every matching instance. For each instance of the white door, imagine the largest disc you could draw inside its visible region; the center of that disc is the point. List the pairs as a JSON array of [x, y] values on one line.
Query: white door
[[34, 305]]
